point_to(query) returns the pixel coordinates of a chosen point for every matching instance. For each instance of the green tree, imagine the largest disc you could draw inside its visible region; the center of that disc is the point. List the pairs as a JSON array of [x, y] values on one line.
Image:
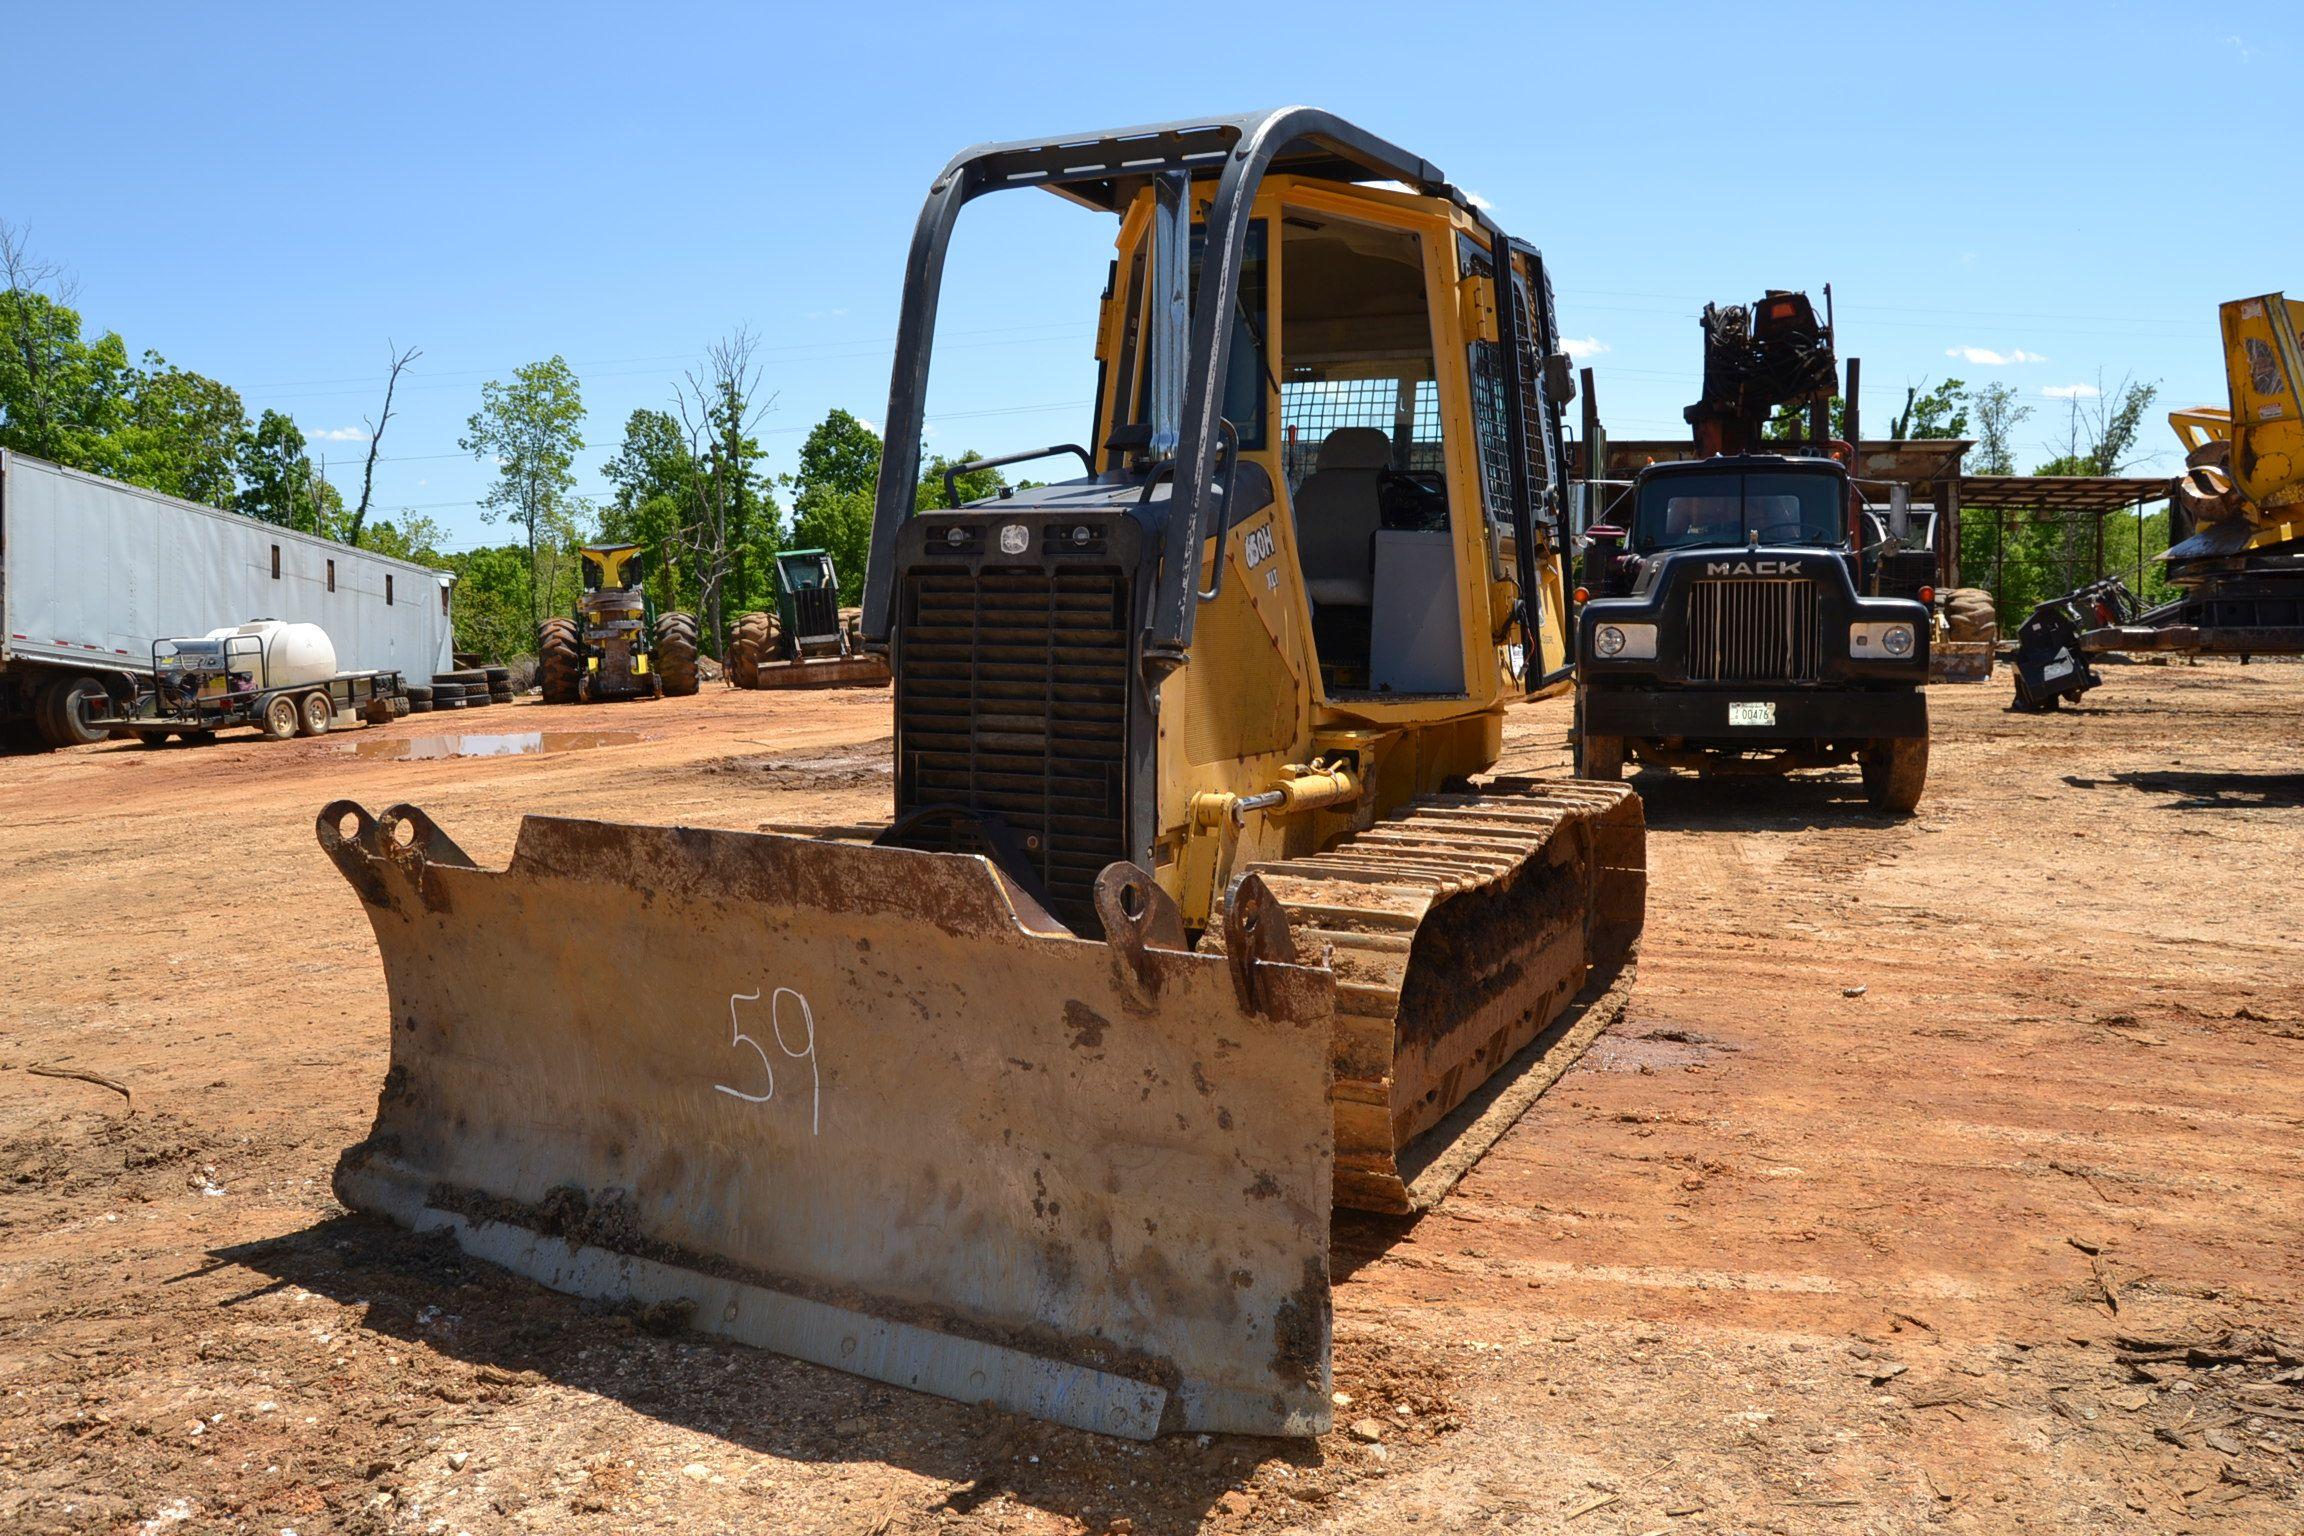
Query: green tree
[[731, 524], [276, 474], [832, 496], [1998, 413], [532, 427], [973, 486], [1938, 411], [181, 433], [412, 536], [653, 475]]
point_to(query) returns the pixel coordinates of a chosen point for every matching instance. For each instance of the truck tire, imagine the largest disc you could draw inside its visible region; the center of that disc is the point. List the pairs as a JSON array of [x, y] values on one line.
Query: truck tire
[[676, 654], [1599, 757], [281, 717], [560, 662], [65, 708], [750, 643], [1895, 772], [462, 675], [497, 677], [1596, 757], [1969, 615], [315, 712]]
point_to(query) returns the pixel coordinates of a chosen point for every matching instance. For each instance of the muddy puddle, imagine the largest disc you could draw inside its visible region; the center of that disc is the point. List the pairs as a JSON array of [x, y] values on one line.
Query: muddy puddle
[[495, 744]]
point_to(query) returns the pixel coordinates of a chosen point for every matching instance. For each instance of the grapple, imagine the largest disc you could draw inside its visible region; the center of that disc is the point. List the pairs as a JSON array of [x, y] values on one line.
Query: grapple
[[867, 1107]]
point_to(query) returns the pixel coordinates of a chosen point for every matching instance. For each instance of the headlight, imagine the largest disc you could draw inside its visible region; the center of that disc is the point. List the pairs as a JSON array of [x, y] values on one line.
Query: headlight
[[1876, 641], [1624, 642]]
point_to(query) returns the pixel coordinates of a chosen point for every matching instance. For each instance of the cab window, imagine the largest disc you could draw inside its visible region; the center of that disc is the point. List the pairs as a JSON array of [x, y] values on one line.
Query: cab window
[[1704, 511]]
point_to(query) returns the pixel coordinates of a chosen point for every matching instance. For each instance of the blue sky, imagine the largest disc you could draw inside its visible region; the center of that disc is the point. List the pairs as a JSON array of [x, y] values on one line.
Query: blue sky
[[267, 194]]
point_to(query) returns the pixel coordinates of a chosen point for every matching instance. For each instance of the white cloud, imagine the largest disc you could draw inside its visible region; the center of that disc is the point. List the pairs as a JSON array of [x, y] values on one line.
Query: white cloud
[[1477, 201], [2071, 392], [336, 434], [1986, 357], [1590, 346]]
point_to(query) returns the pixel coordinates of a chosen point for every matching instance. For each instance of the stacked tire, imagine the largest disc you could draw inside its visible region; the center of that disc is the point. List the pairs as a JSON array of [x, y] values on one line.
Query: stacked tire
[[419, 698], [470, 685], [1969, 615], [499, 684], [559, 662], [756, 640], [676, 654]]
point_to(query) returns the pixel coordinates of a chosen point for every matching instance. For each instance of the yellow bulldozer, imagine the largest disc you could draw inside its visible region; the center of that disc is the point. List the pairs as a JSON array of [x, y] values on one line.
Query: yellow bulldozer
[[1196, 917]]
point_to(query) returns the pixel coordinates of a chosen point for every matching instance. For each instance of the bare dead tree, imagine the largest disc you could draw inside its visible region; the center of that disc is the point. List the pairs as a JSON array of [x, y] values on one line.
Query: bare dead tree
[[400, 360], [719, 408], [39, 291]]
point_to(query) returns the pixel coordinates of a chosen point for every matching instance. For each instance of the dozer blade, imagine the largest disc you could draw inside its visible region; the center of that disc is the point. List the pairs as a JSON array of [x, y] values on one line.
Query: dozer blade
[[1461, 929], [864, 1106]]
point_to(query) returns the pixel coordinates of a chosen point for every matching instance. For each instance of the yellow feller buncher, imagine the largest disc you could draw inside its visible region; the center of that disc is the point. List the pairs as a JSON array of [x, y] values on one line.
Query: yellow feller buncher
[[1192, 921], [615, 645]]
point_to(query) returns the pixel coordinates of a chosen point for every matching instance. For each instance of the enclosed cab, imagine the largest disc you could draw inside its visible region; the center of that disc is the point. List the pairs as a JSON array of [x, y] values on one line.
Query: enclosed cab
[[1725, 631]]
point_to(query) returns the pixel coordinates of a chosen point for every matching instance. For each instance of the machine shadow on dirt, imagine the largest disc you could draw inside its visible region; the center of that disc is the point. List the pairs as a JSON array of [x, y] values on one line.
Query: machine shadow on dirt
[[2207, 791], [1797, 803], [425, 1291]]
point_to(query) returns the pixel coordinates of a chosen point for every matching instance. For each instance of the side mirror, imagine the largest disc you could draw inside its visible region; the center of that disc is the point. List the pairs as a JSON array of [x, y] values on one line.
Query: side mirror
[[1559, 378]]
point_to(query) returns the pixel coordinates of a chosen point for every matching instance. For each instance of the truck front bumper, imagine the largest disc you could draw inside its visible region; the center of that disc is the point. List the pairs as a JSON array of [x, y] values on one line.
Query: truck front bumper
[[1777, 714]]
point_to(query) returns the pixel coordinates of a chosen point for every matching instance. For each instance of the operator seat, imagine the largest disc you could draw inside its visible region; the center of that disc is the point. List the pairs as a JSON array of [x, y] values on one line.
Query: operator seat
[[1338, 508]]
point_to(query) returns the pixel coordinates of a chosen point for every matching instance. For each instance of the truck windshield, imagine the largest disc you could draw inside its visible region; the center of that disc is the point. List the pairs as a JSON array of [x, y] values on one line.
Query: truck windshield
[[1692, 511]]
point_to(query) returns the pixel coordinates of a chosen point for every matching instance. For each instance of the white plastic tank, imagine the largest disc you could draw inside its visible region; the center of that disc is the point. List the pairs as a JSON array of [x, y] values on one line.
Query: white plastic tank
[[293, 653]]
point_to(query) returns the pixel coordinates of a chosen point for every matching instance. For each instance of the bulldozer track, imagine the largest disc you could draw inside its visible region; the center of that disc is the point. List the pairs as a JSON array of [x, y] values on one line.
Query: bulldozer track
[[1459, 928]]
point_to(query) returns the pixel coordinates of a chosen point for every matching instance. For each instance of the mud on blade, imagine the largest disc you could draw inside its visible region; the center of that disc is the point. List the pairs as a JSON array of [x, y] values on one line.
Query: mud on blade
[[863, 1106]]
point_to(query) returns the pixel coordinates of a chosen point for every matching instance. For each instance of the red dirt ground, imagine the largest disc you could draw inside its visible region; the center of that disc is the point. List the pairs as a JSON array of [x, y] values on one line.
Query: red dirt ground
[[1943, 1176]]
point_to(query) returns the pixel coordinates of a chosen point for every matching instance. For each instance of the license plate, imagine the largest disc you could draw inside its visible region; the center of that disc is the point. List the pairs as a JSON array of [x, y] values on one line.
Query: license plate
[[1751, 714]]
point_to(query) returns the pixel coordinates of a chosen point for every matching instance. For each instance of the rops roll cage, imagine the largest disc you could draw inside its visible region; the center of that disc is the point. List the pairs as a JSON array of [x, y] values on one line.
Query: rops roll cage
[[1105, 171]]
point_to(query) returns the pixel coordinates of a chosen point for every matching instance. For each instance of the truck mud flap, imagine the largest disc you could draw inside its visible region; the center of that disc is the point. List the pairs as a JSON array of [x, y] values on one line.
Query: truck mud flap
[[864, 1106]]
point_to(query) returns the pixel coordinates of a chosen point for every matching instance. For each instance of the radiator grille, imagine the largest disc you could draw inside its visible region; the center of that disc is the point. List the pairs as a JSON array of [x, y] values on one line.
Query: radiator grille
[[1754, 632], [1012, 699], [816, 613]]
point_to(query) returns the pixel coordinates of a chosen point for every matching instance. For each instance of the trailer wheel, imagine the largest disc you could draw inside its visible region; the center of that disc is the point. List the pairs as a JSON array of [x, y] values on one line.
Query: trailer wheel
[[65, 709], [676, 654], [1895, 772], [316, 712], [560, 661], [281, 717]]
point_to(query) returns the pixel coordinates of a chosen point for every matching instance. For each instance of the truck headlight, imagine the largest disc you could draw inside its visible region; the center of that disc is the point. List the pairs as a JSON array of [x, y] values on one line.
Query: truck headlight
[[1624, 642], [1875, 641]]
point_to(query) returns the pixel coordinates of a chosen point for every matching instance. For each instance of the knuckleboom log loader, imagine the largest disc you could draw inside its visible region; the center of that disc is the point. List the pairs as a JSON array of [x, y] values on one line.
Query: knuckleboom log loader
[[2238, 511], [1726, 626], [1190, 923], [615, 645]]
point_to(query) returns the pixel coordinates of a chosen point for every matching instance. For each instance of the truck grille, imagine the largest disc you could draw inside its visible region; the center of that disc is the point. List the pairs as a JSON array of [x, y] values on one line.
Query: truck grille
[[1754, 632], [1012, 699]]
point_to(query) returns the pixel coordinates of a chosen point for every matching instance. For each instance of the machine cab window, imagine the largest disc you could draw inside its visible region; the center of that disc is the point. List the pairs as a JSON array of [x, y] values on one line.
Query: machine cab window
[[1363, 455]]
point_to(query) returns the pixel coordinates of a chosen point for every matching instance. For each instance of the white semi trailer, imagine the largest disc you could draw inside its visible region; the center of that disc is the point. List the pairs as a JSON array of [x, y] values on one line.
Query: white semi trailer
[[93, 572]]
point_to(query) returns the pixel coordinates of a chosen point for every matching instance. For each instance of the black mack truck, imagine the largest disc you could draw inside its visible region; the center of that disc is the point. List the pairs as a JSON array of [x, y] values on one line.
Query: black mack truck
[[1724, 626], [1724, 631]]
